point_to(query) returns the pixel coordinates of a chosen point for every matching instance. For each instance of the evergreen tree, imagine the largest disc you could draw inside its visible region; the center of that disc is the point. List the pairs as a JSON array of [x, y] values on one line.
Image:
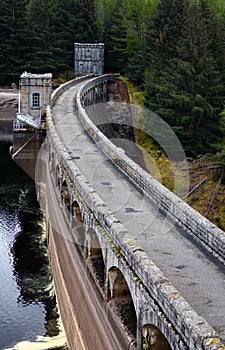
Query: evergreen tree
[[75, 21], [165, 28], [188, 90], [218, 6], [12, 34], [41, 15], [55, 26], [112, 33], [137, 15], [5, 32]]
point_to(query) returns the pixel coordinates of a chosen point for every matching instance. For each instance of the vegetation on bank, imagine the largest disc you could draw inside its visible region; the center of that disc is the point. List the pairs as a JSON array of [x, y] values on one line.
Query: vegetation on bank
[[172, 51], [207, 187]]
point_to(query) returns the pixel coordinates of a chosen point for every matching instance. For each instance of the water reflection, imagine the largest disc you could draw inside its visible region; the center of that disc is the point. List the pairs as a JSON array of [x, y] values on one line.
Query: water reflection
[[31, 262], [27, 300]]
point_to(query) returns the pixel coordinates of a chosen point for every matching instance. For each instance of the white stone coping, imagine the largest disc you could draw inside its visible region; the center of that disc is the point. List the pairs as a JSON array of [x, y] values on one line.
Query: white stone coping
[[201, 229], [32, 75]]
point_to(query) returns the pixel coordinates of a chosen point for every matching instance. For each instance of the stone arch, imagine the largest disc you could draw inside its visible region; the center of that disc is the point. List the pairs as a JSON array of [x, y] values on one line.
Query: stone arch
[[93, 244], [82, 99], [121, 305], [153, 338], [154, 329], [65, 194], [52, 155], [117, 284], [94, 258], [100, 95], [58, 176], [95, 94], [52, 160], [78, 226], [76, 213], [88, 97]]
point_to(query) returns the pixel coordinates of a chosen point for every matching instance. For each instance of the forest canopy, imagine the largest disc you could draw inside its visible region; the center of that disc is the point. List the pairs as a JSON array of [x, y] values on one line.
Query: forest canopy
[[173, 50]]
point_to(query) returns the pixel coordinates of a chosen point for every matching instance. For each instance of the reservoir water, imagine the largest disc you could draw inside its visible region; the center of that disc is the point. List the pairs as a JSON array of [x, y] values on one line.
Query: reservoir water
[[29, 318]]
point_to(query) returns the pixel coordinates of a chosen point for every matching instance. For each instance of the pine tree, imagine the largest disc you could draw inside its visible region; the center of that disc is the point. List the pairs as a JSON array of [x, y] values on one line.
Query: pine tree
[[112, 33], [137, 15], [55, 26], [218, 6], [12, 38], [75, 21], [5, 47], [188, 90], [165, 29]]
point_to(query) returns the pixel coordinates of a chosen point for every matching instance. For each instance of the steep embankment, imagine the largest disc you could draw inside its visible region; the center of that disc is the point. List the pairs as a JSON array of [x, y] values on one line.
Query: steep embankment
[[206, 191], [207, 187], [8, 109]]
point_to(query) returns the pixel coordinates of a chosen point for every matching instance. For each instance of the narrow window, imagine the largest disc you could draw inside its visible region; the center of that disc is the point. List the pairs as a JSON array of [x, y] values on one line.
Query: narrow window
[[36, 100]]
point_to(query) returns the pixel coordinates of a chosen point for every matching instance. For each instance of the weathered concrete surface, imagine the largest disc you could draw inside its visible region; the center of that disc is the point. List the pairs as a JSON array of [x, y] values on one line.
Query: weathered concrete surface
[[116, 121], [165, 246], [26, 146], [77, 295], [31, 85], [88, 58], [181, 214]]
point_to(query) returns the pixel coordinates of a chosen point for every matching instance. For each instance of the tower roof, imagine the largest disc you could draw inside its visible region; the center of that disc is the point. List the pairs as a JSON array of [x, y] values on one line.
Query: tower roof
[[40, 76]]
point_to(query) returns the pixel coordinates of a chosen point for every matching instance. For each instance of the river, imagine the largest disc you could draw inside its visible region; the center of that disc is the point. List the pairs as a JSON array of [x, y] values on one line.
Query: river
[[29, 317]]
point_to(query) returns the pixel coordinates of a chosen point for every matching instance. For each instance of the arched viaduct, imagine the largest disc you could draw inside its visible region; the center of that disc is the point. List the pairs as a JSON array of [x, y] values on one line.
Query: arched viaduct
[[111, 292]]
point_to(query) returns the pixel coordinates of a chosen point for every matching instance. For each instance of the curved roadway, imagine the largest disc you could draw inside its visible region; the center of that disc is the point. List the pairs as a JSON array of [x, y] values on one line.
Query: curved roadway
[[200, 280]]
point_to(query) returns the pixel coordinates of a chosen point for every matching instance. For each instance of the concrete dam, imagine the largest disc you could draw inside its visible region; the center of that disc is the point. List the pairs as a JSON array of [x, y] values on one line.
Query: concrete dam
[[134, 266]]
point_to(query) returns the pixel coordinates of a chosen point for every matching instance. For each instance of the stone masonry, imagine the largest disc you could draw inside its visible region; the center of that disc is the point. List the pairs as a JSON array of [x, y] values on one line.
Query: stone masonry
[[156, 301], [88, 58], [35, 93]]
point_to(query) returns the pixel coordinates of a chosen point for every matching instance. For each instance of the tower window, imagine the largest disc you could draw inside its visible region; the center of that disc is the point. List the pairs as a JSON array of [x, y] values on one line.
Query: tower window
[[36, 100]]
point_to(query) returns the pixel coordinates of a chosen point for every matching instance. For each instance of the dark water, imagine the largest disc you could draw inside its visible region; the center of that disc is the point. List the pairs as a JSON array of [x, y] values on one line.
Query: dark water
[[29, 317]]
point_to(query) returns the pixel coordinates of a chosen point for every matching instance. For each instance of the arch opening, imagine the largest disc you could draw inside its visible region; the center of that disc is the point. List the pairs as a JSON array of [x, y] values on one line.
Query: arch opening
[[78, 228], [153, 339], [93, 244], [65, 194], [52, 161], [76, 212], [57, 176], [94, 258], [121, 306]]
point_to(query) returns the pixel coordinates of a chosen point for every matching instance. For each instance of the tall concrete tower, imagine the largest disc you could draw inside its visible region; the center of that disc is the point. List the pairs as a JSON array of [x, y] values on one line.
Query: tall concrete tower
[[29, 126], [34, 96], [88, 58]]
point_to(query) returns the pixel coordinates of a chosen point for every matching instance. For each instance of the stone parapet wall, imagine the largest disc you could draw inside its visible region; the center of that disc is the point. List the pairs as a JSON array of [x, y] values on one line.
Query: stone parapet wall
[[195, 331], [181, 214], [66, 86]]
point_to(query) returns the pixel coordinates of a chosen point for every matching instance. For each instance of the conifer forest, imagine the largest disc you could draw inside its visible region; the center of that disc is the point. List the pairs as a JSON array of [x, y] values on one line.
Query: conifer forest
[[171, 50]]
